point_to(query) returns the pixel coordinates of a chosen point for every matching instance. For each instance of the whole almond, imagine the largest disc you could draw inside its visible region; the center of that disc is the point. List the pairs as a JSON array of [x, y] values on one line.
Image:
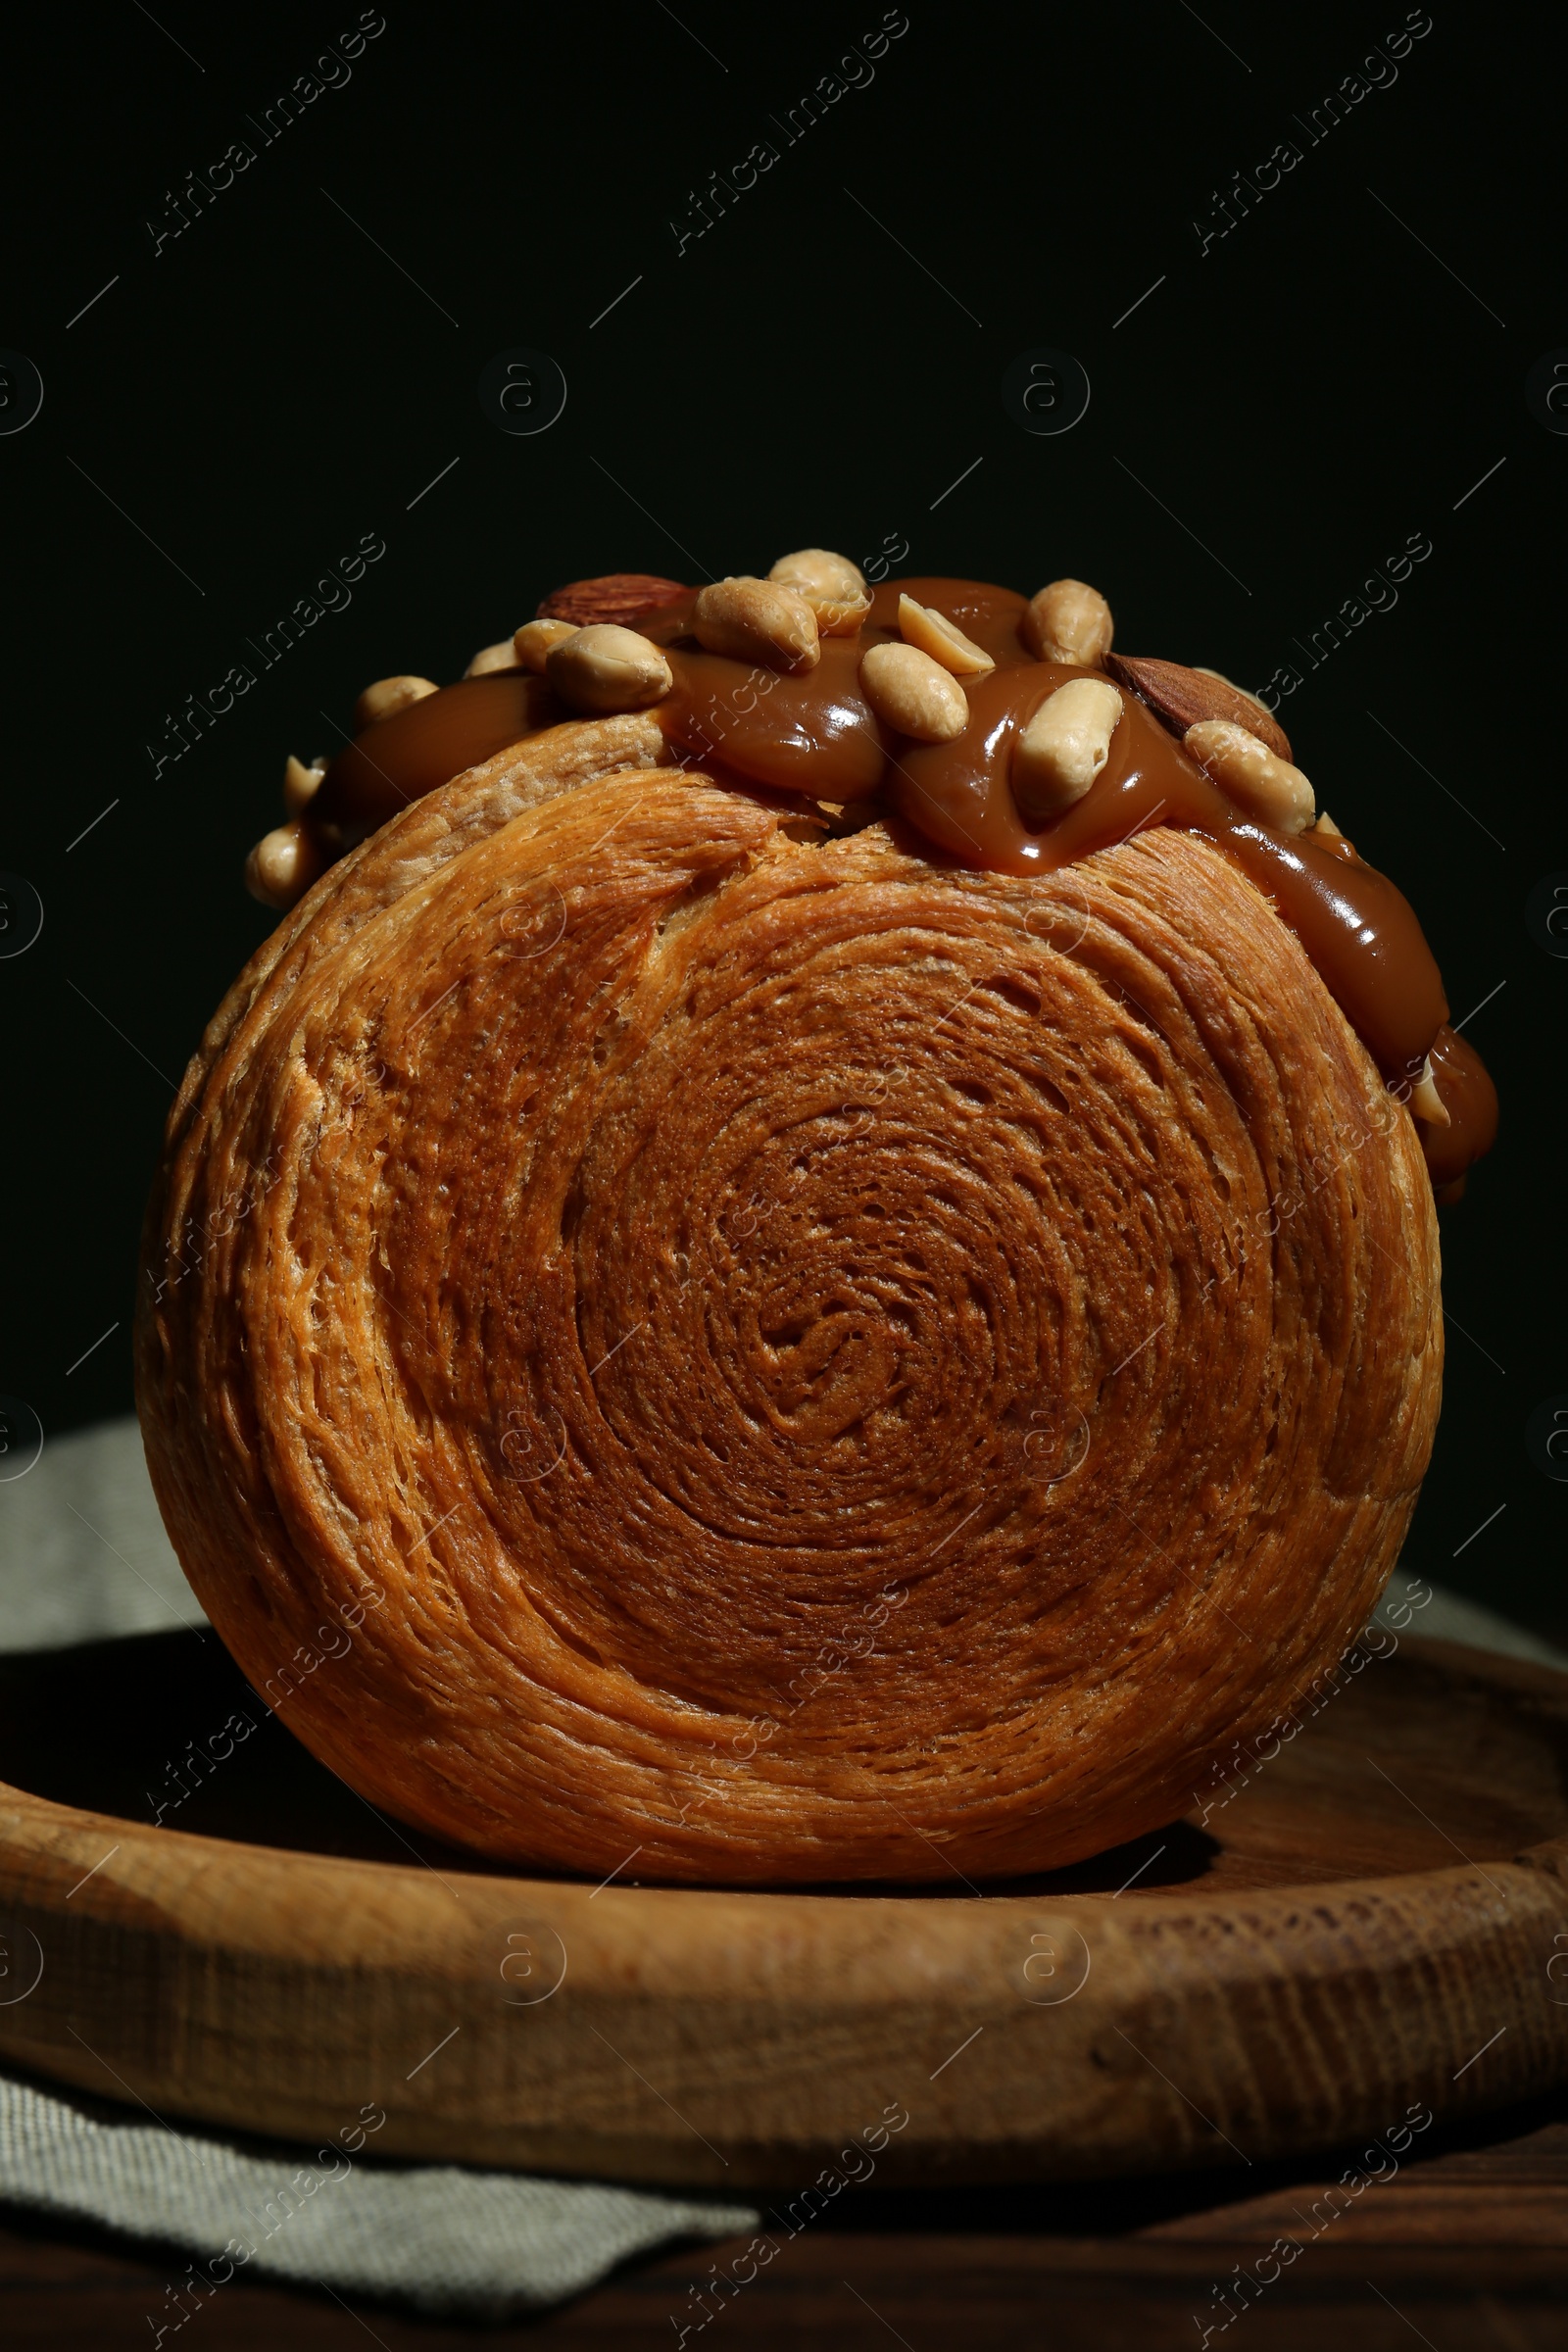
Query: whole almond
[[757, 620], [935, 634], [620, 595], [909, 692], [604, 668], [1069, 622], [1182, 698], [1203, 670], [1251, 774]]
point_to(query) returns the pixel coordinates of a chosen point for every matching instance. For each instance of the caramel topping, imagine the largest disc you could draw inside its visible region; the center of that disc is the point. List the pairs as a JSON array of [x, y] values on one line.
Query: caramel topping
[[400, 758], [814, 734], [1358, 930], [991, 618], [1470, 1100]]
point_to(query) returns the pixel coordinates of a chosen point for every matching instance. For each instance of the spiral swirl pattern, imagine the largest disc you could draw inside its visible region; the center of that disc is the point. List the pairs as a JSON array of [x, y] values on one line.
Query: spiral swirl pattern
[[772, 1353]]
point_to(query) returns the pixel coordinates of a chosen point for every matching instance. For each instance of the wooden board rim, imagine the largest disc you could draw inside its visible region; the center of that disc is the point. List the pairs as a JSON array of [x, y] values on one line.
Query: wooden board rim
[[745, 2039]]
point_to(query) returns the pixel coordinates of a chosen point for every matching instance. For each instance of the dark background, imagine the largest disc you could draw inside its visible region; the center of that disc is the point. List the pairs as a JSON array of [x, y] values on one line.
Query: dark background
[[1273, 421]]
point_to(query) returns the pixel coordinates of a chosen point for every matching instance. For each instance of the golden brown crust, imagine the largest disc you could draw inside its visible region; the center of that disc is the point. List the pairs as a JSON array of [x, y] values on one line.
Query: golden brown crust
[[436, 828], [834, 1367]]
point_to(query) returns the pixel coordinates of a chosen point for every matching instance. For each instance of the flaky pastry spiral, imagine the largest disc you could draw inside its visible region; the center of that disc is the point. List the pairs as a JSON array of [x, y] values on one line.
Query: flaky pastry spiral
[[665, 1332]]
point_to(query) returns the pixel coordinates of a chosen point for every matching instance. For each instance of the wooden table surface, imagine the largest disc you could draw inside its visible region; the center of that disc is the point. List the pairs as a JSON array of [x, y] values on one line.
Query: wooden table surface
[[1466, 2246]]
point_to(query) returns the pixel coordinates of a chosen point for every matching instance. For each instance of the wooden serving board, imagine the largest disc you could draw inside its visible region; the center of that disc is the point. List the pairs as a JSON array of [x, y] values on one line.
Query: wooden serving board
[[1376, 1924]]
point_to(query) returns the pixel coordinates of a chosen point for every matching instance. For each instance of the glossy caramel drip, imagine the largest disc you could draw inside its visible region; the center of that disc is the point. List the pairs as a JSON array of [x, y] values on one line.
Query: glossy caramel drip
[[426, 743], [1471, 1101], [1357, 928], [989, 616], [814, 734]]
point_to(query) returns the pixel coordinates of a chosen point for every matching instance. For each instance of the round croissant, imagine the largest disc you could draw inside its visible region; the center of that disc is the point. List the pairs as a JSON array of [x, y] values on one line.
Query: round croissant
[[668, 1335]]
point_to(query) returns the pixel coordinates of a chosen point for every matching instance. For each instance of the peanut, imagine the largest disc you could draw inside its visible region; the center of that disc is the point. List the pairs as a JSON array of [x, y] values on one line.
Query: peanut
[[757, 620], [283, 864], [1063, 748], [1069, 623], [605, 667], [537, 639], [935, 634], [388, 695], [301, 783], [493, 656], [1425, 1100], [833, 587], [913, 693], [1247, 772]]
